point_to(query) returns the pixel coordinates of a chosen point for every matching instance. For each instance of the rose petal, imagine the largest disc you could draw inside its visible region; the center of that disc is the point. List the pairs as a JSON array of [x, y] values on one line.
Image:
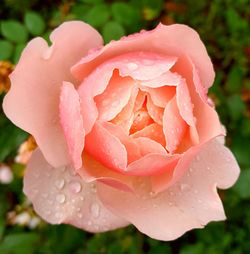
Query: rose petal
[[72, 123], [106, 148], [174, 127], [161, 95], [147, 146], [193, 200], [115, 97], [138, 65], [59, 196], [207, 121], [184, 103], [173, 40], [93, 170], [166, 79], [153, 131], [133, 151], [32, 102], [156, 113]]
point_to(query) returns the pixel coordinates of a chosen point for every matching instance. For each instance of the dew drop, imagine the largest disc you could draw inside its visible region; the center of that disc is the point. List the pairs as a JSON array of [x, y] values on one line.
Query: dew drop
[[60, 183], [95, 210], [132, 66], [184, 187], [58, 215], [60, 198], [75, 187], [79, 215]]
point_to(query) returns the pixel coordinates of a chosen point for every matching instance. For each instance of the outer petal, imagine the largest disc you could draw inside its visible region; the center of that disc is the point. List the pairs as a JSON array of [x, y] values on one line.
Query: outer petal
[[193, 200], [72, 123], [32, 102], [59, 196], [173, 40], [207, 121]]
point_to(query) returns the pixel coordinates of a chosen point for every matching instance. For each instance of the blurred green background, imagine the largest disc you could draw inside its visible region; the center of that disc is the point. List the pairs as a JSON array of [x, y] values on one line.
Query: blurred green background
[[224, 27]]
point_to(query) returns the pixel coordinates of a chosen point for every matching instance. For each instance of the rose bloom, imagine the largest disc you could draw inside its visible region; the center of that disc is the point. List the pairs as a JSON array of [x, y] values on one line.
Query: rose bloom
[[126, 133]]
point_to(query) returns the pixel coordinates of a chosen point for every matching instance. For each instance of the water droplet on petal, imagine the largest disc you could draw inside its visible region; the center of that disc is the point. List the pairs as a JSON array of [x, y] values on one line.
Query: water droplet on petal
[[95, 210], [60, 198], [58, 215], [79, 215], [60, 183], [75, 187], [132, 66], [184, 187]]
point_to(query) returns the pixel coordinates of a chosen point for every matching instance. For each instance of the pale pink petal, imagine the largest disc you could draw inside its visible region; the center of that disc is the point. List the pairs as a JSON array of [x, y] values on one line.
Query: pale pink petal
[[190, 203], [207, 121], [93, 170], [58, 196], [133, 150], [153, 131], [106, 148], [156, 113], [72, 123], [139, 101], [184, 103], [33, 100], [161, 95], [174, 127], [173, 40], [125, 118], [166, 79], [138, 65], [115, 97], [147, 146], [151, 164]]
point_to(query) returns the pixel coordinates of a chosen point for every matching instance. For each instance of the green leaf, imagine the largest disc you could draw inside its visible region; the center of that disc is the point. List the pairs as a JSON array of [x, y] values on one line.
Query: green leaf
[[34, 22], [18, 51], [242, 185], [112, 31], [236, 107], [14, 31], [93, 2], [79, 10], [6, 49], [240, 148], [98, 15], [22, 243], [125, 14], [10, 138], [234, 80]]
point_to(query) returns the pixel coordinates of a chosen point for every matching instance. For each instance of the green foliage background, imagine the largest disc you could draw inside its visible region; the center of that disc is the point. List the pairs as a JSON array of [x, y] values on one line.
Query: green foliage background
[[224, 27]]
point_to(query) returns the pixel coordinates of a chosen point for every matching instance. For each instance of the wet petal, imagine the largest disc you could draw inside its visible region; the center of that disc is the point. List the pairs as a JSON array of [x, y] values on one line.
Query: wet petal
[[114, 98], [58, 196], [72, 123], [106, 148], [33, 100], [153, 131], [174, 127], [193, 200], [174, 40]]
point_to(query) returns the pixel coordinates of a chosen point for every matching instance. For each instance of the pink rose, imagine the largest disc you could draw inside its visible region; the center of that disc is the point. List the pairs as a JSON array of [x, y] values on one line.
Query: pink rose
[[126, 132]]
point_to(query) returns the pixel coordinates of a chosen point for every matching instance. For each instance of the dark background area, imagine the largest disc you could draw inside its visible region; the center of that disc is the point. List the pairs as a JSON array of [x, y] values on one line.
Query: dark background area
[[224, 27]]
